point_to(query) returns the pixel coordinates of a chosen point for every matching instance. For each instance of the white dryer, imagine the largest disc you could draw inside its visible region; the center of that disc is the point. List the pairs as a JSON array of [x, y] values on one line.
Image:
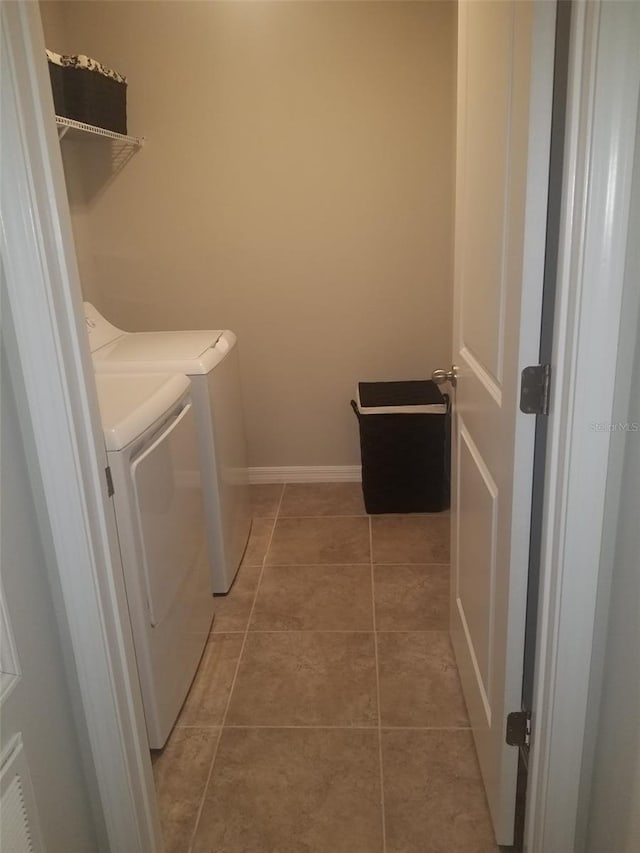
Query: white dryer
[[210, 359], [150, 437]]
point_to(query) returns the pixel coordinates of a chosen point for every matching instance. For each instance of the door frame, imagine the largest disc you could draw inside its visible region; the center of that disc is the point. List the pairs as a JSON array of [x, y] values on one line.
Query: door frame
[[49, 358], [602, 110], [51, 354]]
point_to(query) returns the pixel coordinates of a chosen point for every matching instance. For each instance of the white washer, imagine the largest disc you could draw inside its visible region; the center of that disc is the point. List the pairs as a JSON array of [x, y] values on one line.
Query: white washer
[[210, 359], [150, 437]]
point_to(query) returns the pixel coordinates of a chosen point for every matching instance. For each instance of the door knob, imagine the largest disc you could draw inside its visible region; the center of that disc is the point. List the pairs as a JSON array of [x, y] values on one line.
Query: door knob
[[442, 376]]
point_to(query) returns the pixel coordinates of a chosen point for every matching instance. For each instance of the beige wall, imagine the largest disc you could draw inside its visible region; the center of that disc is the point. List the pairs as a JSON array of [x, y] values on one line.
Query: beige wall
[[297, 187]]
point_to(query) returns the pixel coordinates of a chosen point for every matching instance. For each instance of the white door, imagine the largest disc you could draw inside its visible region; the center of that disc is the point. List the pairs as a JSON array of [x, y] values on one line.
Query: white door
[[505, 80]]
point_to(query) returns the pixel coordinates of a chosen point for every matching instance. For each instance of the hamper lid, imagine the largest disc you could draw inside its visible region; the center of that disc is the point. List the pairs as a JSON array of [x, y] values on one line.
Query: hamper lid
[[85, 62], [412, 397]]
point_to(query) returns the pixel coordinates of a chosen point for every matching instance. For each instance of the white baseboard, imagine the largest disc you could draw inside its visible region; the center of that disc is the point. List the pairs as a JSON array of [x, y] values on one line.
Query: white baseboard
[[307, 474]]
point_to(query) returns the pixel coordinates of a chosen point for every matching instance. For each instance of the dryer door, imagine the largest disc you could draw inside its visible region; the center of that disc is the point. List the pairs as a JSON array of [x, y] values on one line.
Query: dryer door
[[166, 479]]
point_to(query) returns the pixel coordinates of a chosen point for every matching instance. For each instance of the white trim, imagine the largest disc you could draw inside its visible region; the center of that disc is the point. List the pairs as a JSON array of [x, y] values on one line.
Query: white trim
[[604, 81], [482, 374], [43, 328], [486, 706], [10, 671], [307, 474]]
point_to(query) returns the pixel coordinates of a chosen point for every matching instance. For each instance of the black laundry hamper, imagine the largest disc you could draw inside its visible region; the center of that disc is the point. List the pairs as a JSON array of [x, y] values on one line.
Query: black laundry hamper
[[404, 446]]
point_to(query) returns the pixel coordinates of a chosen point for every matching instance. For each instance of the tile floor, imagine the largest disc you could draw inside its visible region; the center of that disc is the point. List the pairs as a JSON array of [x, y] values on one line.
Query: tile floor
[[327, 715]]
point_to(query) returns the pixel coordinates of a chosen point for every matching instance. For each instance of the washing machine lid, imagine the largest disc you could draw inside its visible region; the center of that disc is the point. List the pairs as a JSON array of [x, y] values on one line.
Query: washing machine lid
[[130, 403], [166, 352], [99, 330], [191, 351], [162, 346]]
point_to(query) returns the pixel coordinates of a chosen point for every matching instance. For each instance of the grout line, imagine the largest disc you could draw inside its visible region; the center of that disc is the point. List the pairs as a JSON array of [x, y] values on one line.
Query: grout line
[[371, 728], [233, 684], [317, 517], [343, 565], [427, 728], [413, 630], [271, 516], [320, 565], [337, 631], [221, 633], [400, 565], [375, 646], [345, 728], [443, 563], [313, 631], [396, 564]]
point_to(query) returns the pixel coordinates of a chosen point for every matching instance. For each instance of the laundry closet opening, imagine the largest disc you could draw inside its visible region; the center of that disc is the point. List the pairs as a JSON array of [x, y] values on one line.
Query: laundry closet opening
[[294, 198]]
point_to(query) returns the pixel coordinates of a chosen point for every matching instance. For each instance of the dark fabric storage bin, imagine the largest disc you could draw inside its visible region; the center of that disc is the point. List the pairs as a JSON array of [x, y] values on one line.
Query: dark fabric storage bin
[[93, 98], [85, 90], [404, 446], [56, 75]]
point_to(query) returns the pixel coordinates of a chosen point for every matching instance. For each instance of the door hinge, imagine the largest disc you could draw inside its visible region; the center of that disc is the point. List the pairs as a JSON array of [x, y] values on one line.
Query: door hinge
[[519, 728], [110, 489], [535, 384]]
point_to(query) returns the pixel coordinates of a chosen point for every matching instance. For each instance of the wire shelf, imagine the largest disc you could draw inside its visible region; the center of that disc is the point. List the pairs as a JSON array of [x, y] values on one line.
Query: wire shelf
[[66, 124]]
